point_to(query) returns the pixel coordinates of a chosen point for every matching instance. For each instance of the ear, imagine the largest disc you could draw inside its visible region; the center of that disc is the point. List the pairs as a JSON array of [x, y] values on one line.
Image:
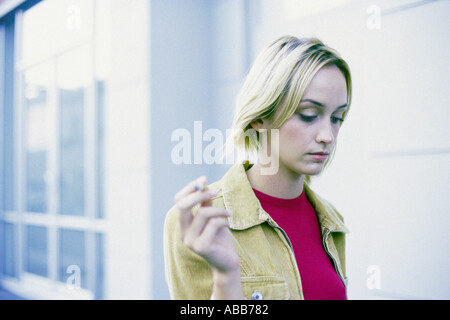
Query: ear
[[257, 124]]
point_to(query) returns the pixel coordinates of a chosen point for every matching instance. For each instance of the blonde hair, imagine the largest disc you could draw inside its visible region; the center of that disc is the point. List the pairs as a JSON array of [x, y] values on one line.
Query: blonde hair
[[281, 72]]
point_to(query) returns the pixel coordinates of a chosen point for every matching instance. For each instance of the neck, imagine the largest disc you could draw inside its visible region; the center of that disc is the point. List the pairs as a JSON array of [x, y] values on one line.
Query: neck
[[284, 184]]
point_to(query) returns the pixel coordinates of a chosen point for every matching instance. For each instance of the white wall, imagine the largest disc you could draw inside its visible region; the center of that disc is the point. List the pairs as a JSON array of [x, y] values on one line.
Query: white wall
[[181, 93], [127, 170], [390, 176]]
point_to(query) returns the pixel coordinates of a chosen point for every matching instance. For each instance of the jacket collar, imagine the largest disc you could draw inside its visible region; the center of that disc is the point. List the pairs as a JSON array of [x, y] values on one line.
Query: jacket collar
[[240, 199]]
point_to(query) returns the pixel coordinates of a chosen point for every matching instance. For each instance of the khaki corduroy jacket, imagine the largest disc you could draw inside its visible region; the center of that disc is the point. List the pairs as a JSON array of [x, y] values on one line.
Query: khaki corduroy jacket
[[268, 264]]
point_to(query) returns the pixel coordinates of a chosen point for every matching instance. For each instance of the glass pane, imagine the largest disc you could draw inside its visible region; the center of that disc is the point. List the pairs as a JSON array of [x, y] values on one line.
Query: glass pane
[[36, 250], [74, 74], [72, 260], [38, 126], [102, 45], [99, 266], [7, 257], [99, 167], [7, 128], [67, 23]]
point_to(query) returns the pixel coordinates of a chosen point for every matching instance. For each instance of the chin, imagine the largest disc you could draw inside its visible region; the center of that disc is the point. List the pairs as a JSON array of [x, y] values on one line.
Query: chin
[[302, 167], [313, 172], [312, 169]]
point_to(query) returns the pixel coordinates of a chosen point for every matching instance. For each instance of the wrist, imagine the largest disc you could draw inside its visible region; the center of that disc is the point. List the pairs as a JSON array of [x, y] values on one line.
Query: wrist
[[227, 285]]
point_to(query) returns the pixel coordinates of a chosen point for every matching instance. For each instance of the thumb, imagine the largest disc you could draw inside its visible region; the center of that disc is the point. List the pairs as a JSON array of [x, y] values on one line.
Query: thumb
[[208, 203]]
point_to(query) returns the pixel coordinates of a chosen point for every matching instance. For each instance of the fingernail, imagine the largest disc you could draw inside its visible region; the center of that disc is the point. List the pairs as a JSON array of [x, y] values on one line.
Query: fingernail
[[212, 192]]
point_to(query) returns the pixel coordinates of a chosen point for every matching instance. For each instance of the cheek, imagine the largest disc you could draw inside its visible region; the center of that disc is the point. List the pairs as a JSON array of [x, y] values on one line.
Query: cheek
[[294, 137]]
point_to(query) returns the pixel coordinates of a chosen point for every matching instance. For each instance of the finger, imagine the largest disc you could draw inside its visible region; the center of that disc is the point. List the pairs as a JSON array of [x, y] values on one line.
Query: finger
[[186, 204], [193, 199], [185, 217], [190, 187], [202, 217], [212, 229], [202, 244]]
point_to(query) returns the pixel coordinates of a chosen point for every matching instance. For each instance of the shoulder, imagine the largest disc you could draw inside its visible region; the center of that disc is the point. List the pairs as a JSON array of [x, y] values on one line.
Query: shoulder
[[326, 211], [330, 207]]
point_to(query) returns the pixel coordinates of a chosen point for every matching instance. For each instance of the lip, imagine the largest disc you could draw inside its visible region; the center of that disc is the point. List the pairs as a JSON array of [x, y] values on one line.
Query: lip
[[319, 156]]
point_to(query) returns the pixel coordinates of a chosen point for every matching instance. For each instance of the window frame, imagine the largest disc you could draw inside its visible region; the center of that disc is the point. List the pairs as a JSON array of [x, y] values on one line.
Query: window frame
[[92, 223]]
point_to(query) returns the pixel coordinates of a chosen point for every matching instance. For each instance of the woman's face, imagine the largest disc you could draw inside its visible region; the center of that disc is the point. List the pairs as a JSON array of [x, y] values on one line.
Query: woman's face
[[307, 139]]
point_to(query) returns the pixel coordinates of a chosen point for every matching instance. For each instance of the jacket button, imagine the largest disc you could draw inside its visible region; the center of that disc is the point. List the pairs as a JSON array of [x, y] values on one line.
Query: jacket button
[[256, 295]]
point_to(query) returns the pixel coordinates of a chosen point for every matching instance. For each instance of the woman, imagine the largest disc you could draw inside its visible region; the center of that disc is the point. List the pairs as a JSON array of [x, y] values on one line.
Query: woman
[[261, 232]]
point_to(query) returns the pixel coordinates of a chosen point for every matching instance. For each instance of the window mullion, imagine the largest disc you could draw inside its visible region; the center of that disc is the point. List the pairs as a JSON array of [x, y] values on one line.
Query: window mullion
[[90, 190], [19, 152], [52, 176]]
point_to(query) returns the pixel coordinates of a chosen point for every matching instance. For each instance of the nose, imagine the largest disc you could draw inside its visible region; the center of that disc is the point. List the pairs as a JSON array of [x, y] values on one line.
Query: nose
[[325, 133]]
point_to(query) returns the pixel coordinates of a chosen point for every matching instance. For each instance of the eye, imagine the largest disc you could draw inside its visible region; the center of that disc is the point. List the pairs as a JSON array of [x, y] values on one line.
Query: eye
[[336, 120], [307, 118]]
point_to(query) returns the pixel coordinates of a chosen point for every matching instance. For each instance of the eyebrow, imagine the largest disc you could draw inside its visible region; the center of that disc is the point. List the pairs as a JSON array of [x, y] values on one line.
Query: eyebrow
[[321, 104]]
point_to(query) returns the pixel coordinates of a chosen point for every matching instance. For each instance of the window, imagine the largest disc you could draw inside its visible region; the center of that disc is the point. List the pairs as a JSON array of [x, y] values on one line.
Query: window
[[51, 217]]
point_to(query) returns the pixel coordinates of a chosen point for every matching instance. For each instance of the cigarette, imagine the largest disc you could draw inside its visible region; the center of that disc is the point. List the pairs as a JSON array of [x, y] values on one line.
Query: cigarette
[[200, 187]]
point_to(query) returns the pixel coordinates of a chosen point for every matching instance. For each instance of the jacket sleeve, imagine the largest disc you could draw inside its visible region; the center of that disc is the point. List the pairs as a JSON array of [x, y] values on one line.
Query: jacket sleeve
[[188, 276]]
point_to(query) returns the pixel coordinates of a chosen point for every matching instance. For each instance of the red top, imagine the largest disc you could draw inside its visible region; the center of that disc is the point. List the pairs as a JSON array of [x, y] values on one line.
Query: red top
[[297, 218]]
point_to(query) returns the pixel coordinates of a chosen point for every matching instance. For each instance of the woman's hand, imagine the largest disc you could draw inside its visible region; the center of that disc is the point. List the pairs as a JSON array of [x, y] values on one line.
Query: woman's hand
[[206, 233]]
